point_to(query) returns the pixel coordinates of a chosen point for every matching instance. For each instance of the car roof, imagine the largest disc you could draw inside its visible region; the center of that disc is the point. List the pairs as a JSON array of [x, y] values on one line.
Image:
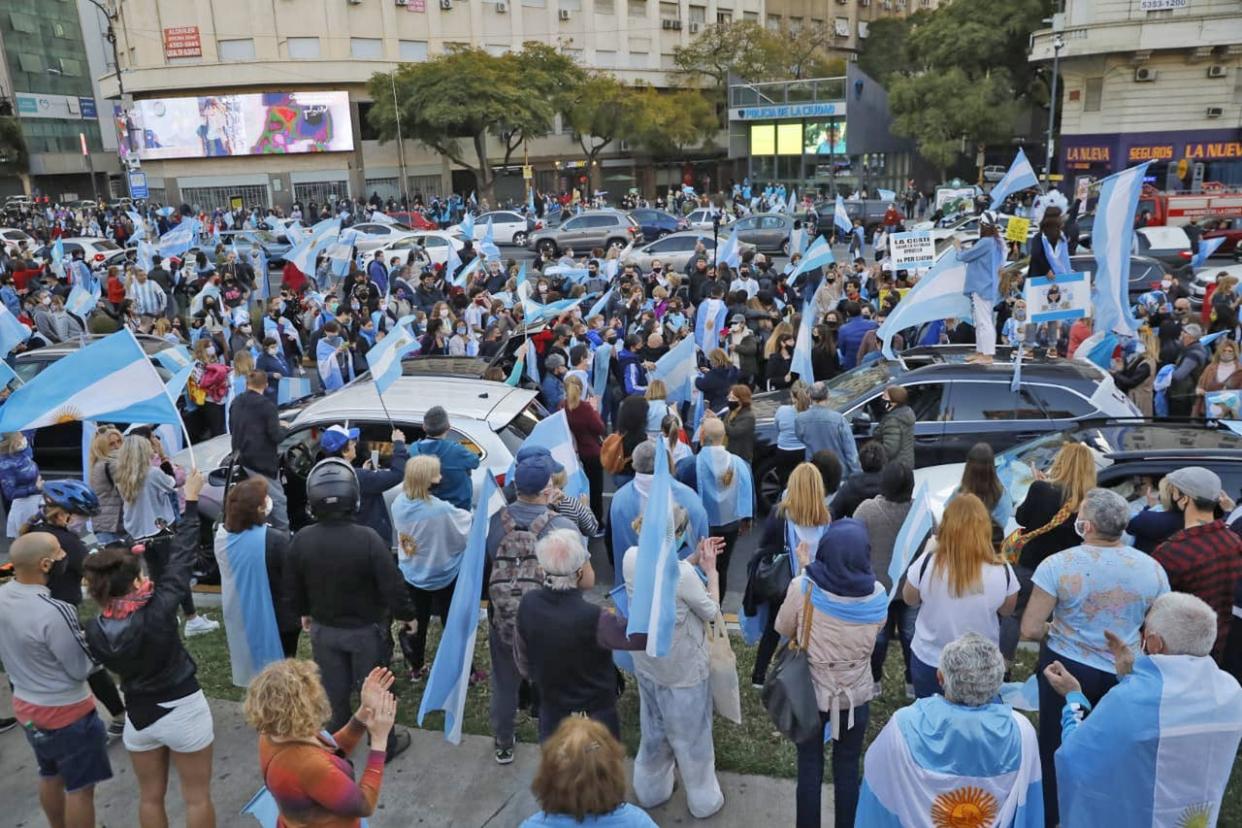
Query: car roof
[[464, 398], [1146, 440], [150, 344], [1163, 236]]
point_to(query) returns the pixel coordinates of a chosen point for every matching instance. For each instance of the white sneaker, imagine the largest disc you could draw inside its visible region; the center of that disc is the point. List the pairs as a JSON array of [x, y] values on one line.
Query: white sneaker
[[200, 624], [877, 689]]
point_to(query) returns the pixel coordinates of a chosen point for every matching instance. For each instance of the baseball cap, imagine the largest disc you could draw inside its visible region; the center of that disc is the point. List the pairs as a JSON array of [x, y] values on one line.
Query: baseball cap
[[527, 452], [533, 473], [335, 438], [1196, 482]]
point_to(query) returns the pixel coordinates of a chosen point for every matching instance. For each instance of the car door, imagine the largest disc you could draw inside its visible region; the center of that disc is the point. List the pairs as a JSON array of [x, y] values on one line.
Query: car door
[[505, 225], [747, 229], [774, 232], [571, 233], [597, 231], [647, 223], [927, 401], [980, 412]]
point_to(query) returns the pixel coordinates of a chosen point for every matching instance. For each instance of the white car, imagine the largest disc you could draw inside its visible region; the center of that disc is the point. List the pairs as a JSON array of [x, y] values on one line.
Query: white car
[[434, 245], [701, 219], [12, 239], [508, 227], [376, 234], [95, 249]]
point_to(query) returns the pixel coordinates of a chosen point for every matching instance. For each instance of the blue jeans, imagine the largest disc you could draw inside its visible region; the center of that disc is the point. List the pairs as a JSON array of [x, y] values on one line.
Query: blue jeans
[[923, 677], [846, 757], [899, 624], [1095, 683]]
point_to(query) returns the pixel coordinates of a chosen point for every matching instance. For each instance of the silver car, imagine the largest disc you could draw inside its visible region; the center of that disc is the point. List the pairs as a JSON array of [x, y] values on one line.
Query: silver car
[[769, 232], [676, 249], [491, 419], [595, 228]]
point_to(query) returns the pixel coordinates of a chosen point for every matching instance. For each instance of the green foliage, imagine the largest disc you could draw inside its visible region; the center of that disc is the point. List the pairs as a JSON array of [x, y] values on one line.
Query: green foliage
[[669, 123], [14, 158], [885, 51], [742, 48], [983, 110]]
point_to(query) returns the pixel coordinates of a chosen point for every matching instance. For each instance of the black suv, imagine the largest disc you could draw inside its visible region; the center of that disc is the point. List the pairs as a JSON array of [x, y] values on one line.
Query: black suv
[[956, 404]]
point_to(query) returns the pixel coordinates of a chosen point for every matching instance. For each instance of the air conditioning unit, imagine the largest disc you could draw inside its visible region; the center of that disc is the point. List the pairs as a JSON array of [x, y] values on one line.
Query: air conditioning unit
[[501, 8], [674, 25], [1144, 74], [1217, 70], [694, 28], [403, 2], [1215, 111], [354, 2], [563, 14]]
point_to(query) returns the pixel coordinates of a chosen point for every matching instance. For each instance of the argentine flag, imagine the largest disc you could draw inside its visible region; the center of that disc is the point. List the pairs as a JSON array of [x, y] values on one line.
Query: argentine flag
[[1206, 248], [708, 320], [12, 331], [985, 773], [600, 304], [1156, 750], [450, 671], [488, 246], [653, 604], [553, 434], [677, 370], [467, 225], [841, 218], [179, 239], [916, 526], [938, 295], [800, 363], [82, 300], [385, 357], [601, 362], [460, 280], [1112, 234], [106, 377], [292, 389], [1021, 176], [818, 255], [730, 252]]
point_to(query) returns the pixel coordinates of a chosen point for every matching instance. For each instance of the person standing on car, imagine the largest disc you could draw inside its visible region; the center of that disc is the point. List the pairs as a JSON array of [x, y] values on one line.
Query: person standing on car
[[256, 432], [343, 581], [982, 284]]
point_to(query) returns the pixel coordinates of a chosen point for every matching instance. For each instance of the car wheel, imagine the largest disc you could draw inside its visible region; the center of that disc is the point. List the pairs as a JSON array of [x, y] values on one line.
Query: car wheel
[[785, 247], [768, 484], [547, 248], [617, 242], [519, 238], [662, 233]]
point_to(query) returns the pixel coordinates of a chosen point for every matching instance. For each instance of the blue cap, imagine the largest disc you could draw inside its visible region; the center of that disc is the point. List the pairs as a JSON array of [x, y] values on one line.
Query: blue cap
[[526, 452], [336, 437], [533, 473]]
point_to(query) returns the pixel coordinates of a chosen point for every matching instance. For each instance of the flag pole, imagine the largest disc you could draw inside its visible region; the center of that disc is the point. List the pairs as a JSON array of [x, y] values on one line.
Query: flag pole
[[387, 416]]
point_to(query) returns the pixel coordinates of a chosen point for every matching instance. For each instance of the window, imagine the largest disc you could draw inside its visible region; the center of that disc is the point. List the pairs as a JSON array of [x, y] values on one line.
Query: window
[[597, 221], [29, 62], [774, 22], [320, 191], [605, 7], [980, 401], [772, 223], [638, 60], [574, 224], [385, 187], [211, 198], [749, 223], [750, 16], [926, 401], [1093, 95], [669, 11], [638, 8], [240, 49], [534, 4], [303, 48], [724, 16], [497, 49], [366, 131], [571, 5], [366, 48], [795, 24], [24, 23], [698, 14], [425, 185], [1057, 403], [667, 61], [640, 44], [605, 59], [412, 50]]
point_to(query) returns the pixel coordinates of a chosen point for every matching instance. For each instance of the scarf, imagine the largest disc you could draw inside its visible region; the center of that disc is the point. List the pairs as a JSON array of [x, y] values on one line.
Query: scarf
[[842, 564], [127, 605]]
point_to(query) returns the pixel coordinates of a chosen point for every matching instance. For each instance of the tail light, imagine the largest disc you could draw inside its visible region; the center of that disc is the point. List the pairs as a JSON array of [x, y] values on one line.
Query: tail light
[[1184, 254], [539, 225], [633, 230], [99, 257], [500, 478]]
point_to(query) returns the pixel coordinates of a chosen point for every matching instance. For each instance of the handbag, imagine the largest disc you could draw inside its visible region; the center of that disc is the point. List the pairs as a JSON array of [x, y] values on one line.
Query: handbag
[[1011, 546], [771, 579], [722, 666], [789, 692]]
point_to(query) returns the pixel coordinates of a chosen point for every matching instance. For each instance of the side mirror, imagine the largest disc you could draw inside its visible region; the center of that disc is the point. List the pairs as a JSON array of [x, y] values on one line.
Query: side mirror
[[860, 420]]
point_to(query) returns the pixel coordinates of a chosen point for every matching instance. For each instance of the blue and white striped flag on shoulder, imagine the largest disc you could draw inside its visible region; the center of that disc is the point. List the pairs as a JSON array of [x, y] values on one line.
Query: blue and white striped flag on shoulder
[[653, 604], [677, 370], [1112, 234]]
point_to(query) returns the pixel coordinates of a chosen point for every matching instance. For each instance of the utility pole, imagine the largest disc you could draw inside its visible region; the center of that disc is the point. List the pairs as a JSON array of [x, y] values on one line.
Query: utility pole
[[405, 187], [1058, 43]]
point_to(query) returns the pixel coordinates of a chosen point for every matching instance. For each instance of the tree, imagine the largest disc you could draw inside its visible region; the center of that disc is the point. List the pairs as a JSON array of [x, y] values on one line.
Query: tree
[[742, 48], [800, 53], [600, 111], [885, 50], [551, 77], [670, 123]]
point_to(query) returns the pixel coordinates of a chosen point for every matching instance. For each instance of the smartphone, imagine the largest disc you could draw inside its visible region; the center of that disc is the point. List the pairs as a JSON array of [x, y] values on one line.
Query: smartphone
[[375, 458]]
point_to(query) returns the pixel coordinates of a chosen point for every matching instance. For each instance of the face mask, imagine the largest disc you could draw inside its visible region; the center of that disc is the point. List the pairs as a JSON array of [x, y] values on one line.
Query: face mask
[[1080, 528], [444, 314], [543, 288], [211, 351], [46, 300], [58, 569], [1020, 315], [1227, 358], [461, 331], [735, 404], [1166, 284], [267, 506]]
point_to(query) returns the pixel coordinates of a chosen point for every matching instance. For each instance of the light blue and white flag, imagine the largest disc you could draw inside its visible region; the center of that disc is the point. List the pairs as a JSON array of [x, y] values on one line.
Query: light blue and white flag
[[1156, 750], [600, 304], [306, 248], [329, 365], [452, 263], [292, 389], [938, 295], [385, 357], [1098, 349], [553, 433], [677, 369], [1021, 695], [488, 245], [7, 375], [463, 277], [725, 503], [730, 252], [178, 240], [107, 377], [709, 318], [1021, 176], [916, 526], [1206, 248], [1111, 237], [819, 255], [990, 770], [145, 256], [140, 226], [467, 225], [535, 312], [12, 331], [600, 363], [532, 363], [174, 358], [653, 600], [450, 670], [58, 255], [800, 363], [82, 300], [841, 218], [1207, 341]]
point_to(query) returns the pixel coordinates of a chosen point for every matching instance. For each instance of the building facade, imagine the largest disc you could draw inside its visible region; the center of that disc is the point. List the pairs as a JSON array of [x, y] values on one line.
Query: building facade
[[47, 74], [177, 54], [1149, 80], [845, 23]]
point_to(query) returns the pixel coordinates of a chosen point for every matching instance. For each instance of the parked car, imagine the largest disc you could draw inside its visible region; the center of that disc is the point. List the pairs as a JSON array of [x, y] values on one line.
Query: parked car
[[1205, 276], [956, 404], [423, 245], [656, 224], [870, 211], [95, 249], [595, 228], [1129, 456], [508, 227], [994, 172], [491, 419], [701, 219], [275, 246], [1232, 232], [768, 232], [1169, 245], [675, 250], [376, 234], [13, 239]]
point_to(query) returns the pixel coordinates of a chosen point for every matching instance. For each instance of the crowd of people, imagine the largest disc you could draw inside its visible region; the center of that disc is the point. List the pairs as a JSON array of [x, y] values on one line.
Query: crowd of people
[[1131, 609]]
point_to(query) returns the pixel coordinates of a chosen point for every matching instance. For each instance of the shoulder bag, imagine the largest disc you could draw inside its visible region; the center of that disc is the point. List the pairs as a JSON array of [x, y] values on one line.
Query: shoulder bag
[[789, 693]]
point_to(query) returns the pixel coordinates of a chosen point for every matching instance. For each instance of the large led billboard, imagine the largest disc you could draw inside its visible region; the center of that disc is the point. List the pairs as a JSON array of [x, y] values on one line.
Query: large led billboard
[[216, 126]]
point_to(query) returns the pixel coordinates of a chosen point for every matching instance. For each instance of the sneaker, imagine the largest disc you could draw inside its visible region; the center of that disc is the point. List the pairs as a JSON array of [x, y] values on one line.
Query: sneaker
[[878, 689], [398, 744], [504, 755], [116, 728], [758, 685], [7, 724], [909, 691], [199, 625]]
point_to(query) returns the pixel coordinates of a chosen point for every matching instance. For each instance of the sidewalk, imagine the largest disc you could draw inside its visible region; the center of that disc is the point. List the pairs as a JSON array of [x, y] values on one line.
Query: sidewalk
[[434, 784]]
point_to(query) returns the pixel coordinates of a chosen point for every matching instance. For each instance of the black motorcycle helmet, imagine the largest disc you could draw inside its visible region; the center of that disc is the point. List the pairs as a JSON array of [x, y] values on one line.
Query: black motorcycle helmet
[[332, 489]]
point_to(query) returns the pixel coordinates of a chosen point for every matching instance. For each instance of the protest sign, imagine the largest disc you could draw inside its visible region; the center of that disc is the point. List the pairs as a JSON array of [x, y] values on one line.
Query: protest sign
[[911, 251], [1017, 229], [1050, 299]]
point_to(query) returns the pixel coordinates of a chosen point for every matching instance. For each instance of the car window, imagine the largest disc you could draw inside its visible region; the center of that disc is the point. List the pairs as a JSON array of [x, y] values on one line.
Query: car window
[[1037, 402], [508, 218], [661, 246], [844, 388], [773, 222], [749, 223], [601, 221], [980, 401], [927, 400], [644, 215], [574, 224]]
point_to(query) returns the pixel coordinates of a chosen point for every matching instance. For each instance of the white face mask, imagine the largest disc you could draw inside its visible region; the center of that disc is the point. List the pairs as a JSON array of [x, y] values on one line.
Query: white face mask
[[267, 506]]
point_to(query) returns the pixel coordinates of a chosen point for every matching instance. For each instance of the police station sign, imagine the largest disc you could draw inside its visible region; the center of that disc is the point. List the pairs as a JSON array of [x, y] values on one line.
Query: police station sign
[[780, 112]]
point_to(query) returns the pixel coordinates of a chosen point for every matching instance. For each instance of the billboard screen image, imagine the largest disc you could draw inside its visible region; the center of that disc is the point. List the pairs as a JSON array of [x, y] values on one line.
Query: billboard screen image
[[251, 124], [824, 138]]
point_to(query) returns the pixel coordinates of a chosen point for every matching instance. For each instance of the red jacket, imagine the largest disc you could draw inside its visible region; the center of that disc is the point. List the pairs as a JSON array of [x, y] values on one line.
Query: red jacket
[[116, 290]]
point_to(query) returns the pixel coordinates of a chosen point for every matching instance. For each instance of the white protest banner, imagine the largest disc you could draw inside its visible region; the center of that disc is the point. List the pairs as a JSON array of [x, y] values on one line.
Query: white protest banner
[[1067, 296], [911, 251]]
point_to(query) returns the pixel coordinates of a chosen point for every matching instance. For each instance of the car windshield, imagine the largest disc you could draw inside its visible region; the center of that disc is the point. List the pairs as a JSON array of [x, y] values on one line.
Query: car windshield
[[107, 244], [844, 389], [1013, 467]]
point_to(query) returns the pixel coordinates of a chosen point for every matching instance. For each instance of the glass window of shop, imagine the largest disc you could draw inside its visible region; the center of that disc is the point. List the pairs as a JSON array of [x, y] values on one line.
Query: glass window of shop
[[213, 198], [796, 150], [53, 135], [43, 48]]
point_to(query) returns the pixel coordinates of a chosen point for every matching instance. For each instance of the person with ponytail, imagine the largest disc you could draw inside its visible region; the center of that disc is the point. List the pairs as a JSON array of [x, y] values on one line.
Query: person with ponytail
[[587, 428], [725, 484]]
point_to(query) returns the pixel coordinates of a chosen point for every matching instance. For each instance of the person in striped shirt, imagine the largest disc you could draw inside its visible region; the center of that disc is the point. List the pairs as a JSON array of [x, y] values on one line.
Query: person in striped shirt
[[149, 298]]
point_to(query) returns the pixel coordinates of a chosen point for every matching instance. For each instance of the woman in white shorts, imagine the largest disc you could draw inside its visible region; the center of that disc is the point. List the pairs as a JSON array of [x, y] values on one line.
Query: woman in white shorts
[[136, 636]]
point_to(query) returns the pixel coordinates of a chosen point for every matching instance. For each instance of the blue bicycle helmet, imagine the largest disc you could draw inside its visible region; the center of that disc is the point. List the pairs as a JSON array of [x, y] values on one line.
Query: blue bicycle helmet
[[73, 496]]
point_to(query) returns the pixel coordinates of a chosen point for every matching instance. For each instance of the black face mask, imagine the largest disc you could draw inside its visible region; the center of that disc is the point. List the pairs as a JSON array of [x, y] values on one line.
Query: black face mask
[[735, 404], [58, 569]]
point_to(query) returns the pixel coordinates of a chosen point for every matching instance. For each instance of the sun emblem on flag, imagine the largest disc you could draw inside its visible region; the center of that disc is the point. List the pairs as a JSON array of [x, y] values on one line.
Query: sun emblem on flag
[[1196, 816], [967, 807], [68, 414]]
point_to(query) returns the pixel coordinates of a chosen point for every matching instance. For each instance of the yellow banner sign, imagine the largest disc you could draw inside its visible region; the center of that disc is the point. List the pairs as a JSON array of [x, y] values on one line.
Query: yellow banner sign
[[1017, 229]]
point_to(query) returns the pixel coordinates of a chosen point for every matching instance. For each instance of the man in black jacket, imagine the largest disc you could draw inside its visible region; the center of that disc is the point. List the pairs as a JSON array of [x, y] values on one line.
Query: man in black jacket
[[256, 433], [163, 278]]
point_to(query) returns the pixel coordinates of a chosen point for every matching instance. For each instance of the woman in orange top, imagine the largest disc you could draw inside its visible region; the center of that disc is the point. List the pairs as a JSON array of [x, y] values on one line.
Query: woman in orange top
[[306, 770]]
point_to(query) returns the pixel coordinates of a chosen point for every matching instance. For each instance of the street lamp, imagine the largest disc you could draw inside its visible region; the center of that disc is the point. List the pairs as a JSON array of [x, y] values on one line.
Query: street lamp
[[1058, 43]]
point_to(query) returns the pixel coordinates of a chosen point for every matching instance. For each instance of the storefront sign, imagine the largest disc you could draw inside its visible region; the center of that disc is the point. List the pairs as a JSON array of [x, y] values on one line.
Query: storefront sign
[[1162, 5], [911, 251], [783, 111], [1214, 150], [1090, 154], [182, 42], [1157, 152], [69, 107]]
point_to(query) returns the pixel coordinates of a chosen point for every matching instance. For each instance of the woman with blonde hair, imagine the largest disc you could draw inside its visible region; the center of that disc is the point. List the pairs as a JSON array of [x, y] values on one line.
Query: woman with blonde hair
[[146, 491], [790, 451], [657, 407], [102, 453], [431, 535], [725, 484], [960, 584], [1221, 374], [715, 382], [581, 780], [208, 386], [801, 516], [1136, 374], [308, 772]]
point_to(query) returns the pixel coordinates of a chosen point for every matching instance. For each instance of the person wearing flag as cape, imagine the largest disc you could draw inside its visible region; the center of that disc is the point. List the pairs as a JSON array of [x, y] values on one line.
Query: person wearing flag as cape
[[982, 284]]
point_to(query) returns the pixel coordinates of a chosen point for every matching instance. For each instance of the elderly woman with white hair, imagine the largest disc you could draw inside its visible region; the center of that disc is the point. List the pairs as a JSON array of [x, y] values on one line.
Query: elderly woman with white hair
[[957, 754], [673, 690], [1174, 717], [564, 643], [1101, 587]]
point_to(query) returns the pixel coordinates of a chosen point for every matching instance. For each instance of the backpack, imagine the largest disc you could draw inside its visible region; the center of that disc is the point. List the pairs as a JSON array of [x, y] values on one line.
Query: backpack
[[612, 454], [515, 572]]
